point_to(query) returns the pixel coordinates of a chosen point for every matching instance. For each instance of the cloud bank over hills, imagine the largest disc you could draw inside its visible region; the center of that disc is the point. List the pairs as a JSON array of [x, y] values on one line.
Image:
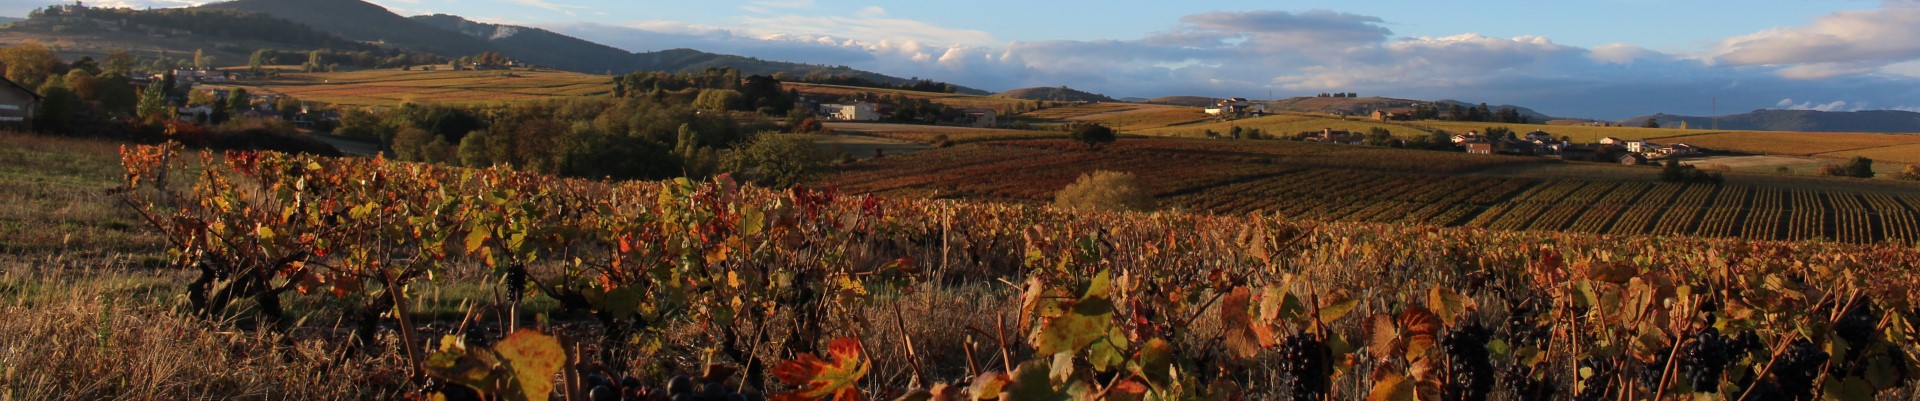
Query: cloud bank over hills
[[1849, 60], [1844, 60]]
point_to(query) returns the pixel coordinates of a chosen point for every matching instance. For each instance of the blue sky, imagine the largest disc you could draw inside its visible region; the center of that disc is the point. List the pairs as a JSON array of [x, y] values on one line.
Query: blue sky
[[1601, 59]]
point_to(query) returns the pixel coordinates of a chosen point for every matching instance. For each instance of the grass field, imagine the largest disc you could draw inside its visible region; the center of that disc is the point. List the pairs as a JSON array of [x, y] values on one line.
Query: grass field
[[392, 87]]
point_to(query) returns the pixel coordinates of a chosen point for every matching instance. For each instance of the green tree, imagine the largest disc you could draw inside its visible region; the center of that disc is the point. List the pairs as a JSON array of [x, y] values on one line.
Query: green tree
[[239, 101], [313, 61], [1093, 134], [153, 102], [57, 107], [30, 63], [472, 151], [776, 160], [201, 59], [1651, 123], [119, 62], [258, 63], [1860, 167], [1104, 190], [717, 99]]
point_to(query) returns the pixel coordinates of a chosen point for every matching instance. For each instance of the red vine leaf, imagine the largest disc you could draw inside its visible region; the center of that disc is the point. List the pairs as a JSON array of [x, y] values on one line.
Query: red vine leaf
[[1244, 338], [824, 379]]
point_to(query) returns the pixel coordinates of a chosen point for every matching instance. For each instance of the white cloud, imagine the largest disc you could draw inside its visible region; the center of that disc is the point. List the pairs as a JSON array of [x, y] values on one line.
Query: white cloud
[[1842, 43], [567, 9], [1837, 105], [1224, 54]]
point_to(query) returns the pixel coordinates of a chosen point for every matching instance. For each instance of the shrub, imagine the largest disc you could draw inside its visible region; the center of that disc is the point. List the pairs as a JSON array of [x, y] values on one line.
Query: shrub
[[1857, 167], [1093, 134], [775, 159], [1104, 190], [1912, 173]]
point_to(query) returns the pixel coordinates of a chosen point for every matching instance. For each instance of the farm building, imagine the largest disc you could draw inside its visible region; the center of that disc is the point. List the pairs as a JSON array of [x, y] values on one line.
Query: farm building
[[1392, 115], [858, 111], [1480, 148], [978, 118], [17, 105]]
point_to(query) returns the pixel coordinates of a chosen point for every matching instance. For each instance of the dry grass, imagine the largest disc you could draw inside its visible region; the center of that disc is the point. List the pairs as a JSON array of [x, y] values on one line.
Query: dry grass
[[101, 335], [53, 200]]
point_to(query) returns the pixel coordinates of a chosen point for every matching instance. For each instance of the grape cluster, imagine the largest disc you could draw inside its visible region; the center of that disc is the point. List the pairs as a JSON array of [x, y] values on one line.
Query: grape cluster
[[680, 388], [1525, 387], [1704, 358], [1310, 362], [1595, 386], [1522, 327], [1470, 369], [516, 283], [1857, 326], [1651, 374], [1795, 370]]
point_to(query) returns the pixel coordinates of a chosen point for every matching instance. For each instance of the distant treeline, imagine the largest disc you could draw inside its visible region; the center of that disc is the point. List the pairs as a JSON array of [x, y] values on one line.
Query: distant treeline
[[918, 85], [622, 138], [712, 89], [1480, 113]]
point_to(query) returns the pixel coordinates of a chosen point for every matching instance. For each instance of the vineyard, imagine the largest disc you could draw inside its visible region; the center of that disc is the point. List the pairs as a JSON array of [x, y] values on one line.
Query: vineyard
[[387, 87], [1350, 183], [807, 295]]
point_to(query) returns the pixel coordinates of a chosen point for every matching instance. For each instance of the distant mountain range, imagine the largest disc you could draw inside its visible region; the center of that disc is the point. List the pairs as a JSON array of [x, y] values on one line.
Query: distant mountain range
[[1057, 94], [1889, 121]]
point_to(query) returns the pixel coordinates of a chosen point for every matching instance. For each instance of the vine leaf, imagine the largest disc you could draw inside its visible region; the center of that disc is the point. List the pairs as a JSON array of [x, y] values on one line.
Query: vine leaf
[[1082, 322], [987, 385], [534, 357], [1448, 304], [824, 379], [520, 367], [1031, 383], [1244, 338], [1392, 388], [1383, 336], [1419, 328]]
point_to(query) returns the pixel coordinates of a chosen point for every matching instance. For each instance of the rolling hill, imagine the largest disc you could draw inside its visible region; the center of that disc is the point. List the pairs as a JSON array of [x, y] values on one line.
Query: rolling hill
[[1885, 121], [1058, 94], [1191, 101], [453, 36], [362, 21]]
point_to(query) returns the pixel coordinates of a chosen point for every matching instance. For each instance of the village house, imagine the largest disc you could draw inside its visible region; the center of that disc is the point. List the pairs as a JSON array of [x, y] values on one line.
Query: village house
[[978, 118], [1679, 149], [1392, 115], [1236, 106], [1611, 141], [1330, 135], [1480, 148], [1641, 146], [17, 105], [1469, 137], [858, 111]]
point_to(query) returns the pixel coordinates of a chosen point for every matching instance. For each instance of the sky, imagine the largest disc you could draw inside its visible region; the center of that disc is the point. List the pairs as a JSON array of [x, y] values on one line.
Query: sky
[[1606, 59]]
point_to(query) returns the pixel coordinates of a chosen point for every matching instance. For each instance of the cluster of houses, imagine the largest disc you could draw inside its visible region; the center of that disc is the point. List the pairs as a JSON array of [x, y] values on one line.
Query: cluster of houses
[[1238, 106], [864, 111], [1542, 143]]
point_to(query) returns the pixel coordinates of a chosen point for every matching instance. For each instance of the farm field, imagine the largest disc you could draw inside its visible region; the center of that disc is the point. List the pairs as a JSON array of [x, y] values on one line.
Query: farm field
[[1324, 183], [1282, 124], [392, 87]]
